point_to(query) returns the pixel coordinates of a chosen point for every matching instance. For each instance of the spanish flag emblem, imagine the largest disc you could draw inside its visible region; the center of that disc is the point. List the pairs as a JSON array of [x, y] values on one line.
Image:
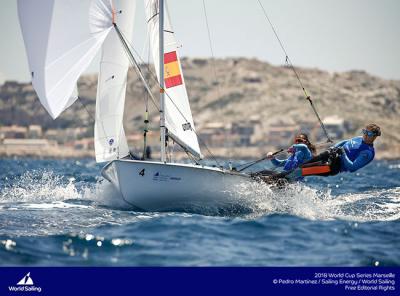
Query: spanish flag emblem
[[172, 73]]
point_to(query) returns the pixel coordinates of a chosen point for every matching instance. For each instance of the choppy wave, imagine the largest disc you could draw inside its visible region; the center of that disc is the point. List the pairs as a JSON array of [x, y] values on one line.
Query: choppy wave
[[46, 190], [39, 186], [45, 187], [316, 204], [64, 214]]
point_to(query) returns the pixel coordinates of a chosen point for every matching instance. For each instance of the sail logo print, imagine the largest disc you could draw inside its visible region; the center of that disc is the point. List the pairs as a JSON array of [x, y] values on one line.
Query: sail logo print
[[112, 149], [172, 72], [25, 285], [161, 177], [187, 126]]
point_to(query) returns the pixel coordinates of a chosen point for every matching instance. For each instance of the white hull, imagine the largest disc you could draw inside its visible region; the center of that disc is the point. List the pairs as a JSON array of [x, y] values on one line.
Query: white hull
[[156, 186]]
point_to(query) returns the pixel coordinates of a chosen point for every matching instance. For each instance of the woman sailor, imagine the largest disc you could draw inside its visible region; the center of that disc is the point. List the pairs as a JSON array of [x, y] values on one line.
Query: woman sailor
[[301, 151]]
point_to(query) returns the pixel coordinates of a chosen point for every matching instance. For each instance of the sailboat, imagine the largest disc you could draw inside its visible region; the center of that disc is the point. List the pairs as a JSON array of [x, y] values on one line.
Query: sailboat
[[61, 40]]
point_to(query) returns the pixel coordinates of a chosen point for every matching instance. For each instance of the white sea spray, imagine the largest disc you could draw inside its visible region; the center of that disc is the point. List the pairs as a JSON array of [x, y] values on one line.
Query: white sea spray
[[303, 201]]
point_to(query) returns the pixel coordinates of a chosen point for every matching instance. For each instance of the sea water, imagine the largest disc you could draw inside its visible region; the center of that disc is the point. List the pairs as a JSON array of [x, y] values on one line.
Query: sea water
[[62, 213]]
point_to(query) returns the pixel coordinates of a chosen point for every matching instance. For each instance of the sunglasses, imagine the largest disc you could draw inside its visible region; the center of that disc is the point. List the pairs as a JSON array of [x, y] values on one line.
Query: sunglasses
[[370, 133]]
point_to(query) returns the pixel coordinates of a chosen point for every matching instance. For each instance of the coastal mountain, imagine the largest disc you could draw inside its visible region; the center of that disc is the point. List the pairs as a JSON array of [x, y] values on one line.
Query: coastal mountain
[[245, 90]]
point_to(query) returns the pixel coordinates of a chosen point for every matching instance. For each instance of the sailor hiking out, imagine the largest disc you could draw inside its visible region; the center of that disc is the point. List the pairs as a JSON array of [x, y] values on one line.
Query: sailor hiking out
[[345, 156], [301, 151]]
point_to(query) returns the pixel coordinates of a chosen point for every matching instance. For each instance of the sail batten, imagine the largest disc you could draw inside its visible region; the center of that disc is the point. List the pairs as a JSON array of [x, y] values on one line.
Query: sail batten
[[178, 116], [110, 139]]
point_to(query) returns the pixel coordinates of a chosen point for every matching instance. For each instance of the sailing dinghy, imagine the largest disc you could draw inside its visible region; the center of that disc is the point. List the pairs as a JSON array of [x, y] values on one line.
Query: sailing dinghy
[[62, 38]]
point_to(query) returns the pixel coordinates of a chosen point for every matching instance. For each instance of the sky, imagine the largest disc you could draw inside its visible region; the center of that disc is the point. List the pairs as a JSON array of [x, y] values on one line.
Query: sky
[[332, 35]]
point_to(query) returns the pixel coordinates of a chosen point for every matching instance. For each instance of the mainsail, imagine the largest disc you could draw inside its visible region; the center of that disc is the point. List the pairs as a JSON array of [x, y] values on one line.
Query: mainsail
[[61, 39], [178, 116], [110, 141]]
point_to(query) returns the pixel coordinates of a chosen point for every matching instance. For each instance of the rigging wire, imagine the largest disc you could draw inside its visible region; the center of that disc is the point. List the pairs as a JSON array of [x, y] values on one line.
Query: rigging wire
[[146, 100], [213, 64], [154, 77], [251, 163], [127, 46], [84, 107], [94, 119], [191, 157], [281, 151], [146, 114], [289, 62], [134, 63], [211, 49]]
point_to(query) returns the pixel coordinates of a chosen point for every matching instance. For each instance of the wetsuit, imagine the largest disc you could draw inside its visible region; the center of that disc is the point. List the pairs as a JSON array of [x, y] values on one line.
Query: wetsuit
[[346, 156], [357, 154], [301, 154]]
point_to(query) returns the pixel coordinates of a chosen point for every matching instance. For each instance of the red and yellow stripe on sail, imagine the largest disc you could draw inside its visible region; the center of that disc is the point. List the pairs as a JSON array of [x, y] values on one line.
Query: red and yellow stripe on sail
[[172, 73]]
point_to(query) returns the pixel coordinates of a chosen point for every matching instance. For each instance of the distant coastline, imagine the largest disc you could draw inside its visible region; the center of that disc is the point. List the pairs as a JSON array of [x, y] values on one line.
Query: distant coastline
[[220, 153], [253, 108]]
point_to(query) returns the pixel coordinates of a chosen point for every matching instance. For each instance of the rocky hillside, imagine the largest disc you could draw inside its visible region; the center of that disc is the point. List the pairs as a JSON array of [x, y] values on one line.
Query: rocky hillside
[[246, 88]]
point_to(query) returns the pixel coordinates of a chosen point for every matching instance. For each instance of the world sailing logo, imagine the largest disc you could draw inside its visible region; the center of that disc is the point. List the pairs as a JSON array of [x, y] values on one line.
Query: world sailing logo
[[25, 285], [26, 280]]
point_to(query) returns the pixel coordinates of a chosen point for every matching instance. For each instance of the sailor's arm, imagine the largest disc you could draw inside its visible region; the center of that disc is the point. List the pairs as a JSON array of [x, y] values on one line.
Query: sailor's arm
[[274, 161], [278, 162], [340, 144], [362, 160], [302, 152]]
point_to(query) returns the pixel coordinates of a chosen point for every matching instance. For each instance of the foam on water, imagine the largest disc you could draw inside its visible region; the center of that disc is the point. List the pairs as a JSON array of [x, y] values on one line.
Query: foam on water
[[45, 190], [39, 186], [64, 214], [310, 203], [104, 193]]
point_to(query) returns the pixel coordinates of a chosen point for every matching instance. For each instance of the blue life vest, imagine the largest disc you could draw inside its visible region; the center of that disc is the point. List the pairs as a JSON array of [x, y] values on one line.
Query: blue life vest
[[301, 154], [354, 147], [291, 163]]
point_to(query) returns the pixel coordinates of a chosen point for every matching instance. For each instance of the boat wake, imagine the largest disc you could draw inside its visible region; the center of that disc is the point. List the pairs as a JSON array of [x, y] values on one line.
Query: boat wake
[[314, 204], [46, 190]]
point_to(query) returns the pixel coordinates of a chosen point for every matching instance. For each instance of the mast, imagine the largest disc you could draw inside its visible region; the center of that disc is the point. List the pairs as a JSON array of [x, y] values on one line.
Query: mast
[[161, 65], [177, 117]]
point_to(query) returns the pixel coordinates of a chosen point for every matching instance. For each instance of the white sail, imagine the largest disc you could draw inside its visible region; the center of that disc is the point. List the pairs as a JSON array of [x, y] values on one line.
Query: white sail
[[110, 141], [178, 116], [61, 39]]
